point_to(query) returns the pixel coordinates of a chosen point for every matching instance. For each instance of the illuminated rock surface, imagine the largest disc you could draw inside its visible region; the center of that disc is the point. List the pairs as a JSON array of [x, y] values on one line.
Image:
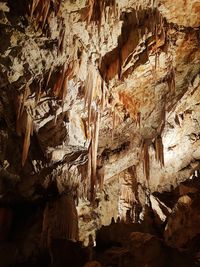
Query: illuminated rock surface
[[99, 123]]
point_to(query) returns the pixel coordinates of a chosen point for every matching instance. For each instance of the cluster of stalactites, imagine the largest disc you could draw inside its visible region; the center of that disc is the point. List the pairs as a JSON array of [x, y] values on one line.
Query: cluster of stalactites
[[41, 13], [97, 9], [95, 102], [41, 10], [159, 154]]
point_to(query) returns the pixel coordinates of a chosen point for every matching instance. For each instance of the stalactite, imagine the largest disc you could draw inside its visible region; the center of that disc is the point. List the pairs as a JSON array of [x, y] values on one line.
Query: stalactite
[[40, 9], [46, 11], [93, 153], [114, 121], [85, 128], [49, 76], [89, 89], [64, 87], [33, 7], [38, 92], [57, 6], [171, 80], [136, 15], [159, 150], [163, 117], [89, 184], [101, 13], [59, 82], [162, 29], [20, 108], [160, 37], [61, 38], [24, 121], [156, 60], [61, 48], [93, 101], [96, 140], [65, 74], [90, 10], [138, 119], [146, 159], [68, 76], [103, 99], [100, 174], [28, 133], [134, 181], [133, 105], [96, 10]]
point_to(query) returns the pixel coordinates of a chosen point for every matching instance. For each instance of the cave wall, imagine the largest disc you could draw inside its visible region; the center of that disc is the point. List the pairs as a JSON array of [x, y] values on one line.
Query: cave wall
[[100, 101]]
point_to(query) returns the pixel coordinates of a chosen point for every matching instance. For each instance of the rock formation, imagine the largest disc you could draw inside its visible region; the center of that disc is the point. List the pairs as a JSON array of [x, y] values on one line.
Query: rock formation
[[99, 126]]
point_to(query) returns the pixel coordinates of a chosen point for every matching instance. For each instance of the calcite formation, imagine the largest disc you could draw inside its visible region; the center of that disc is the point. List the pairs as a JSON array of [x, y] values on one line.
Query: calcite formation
[[99, 109]]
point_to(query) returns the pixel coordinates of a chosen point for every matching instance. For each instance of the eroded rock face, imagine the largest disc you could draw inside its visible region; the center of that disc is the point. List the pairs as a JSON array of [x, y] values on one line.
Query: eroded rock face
[[99, 100], [185, 215], [140, 249]]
